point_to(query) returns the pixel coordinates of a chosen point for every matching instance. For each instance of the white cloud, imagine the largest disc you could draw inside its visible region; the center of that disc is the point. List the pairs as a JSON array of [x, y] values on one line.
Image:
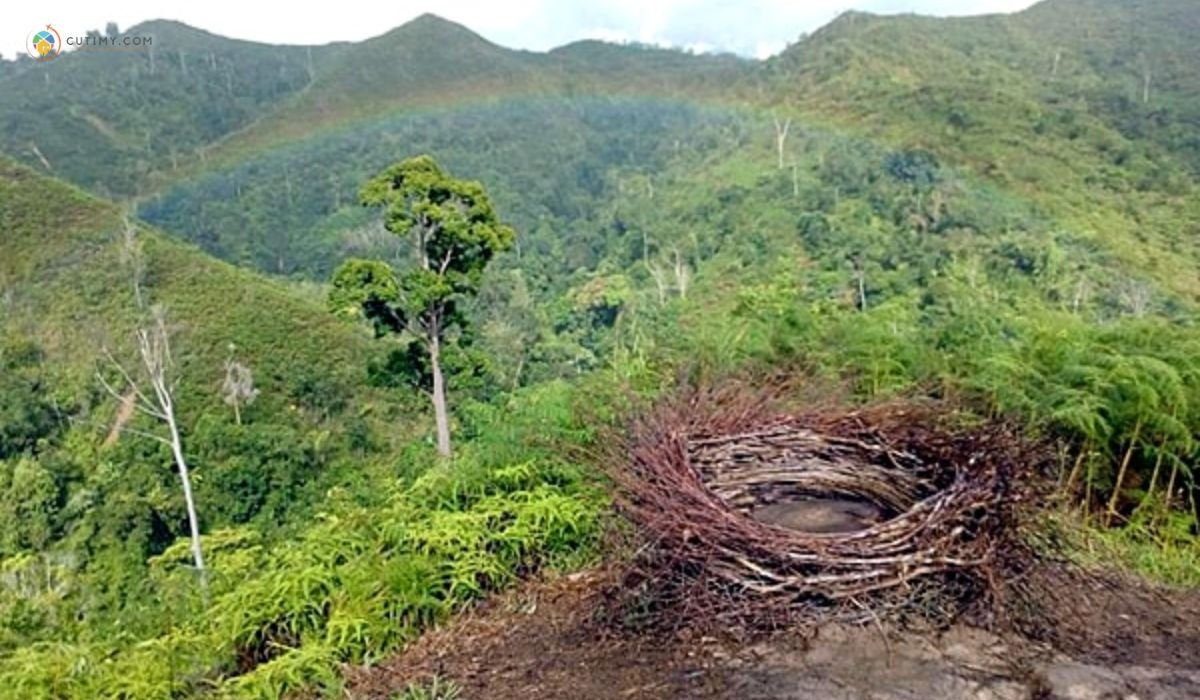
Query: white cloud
[[750, 27]]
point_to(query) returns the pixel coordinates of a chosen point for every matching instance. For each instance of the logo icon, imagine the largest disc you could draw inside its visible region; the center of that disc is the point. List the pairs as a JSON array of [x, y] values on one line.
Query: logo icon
[[44, 44]]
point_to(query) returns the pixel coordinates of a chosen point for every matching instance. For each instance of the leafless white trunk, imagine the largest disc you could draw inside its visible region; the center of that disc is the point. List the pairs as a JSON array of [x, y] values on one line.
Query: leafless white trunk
[[860, 276], [660, 280], [1137, 297], [1057, 62], [154, 351], [781, 134], [131, 257], [153, 339], [682, 275], [33, 147]]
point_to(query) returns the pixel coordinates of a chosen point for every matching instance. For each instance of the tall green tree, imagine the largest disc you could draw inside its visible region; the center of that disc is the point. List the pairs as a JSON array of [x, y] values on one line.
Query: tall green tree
[[456, 233]]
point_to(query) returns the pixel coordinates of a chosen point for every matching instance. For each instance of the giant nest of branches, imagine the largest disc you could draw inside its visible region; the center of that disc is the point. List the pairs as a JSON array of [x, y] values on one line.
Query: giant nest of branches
[[746, 509]]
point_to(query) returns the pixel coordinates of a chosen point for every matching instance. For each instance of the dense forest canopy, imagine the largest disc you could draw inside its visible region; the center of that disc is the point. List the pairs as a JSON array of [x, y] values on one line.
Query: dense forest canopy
[[1000, 212]]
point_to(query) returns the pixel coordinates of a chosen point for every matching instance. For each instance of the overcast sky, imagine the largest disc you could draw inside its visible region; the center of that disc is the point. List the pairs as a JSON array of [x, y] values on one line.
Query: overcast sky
[[749, 27]]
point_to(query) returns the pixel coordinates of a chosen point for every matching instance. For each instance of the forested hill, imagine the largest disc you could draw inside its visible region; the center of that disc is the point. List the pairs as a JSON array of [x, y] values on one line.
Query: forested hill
[[1050, 103], [1001, 213], [131, 119], [106, 120], [1058, 103]]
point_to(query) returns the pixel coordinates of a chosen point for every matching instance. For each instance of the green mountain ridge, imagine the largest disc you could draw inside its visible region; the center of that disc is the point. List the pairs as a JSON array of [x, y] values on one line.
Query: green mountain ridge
[[983, 92], [1000, 213]]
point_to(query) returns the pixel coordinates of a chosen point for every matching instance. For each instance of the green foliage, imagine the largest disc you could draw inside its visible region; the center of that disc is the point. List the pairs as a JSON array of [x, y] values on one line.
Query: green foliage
[[437, 688], [545, 162], [138, 110], [27, 411], [960, 214], [1163, 547], [457, 233], [29, 501], [352, 586]]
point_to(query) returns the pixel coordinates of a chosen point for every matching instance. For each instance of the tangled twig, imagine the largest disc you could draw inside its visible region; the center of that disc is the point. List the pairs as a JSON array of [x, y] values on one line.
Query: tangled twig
[[692, 469]]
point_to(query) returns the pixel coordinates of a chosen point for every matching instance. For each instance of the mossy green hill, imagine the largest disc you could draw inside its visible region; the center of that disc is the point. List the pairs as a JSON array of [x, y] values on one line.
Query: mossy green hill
[[999, 212], [65, 284], [1040, 103]]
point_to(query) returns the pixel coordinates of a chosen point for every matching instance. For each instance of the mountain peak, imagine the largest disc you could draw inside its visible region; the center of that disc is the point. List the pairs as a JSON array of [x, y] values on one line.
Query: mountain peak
[[428, 23]]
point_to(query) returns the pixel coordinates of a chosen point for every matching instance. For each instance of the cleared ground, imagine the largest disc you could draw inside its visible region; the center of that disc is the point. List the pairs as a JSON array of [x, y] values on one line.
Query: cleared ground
[[542, 641]]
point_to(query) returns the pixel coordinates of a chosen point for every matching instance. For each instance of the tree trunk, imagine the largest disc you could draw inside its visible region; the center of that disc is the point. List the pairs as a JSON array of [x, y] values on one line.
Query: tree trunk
[[1116, 494], [193, 519], [781, 134], [441, 416], [1158, 458], [1074, 475], [516, 382]]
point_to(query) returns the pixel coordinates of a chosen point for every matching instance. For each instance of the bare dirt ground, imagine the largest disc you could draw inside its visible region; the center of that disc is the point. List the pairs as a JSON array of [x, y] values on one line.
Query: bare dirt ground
[[542, 641]]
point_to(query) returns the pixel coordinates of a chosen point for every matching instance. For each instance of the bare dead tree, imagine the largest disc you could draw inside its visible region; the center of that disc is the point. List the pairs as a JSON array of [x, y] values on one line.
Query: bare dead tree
[[1136, 296], [238, 387], [660, 280], [1057, 62], [155, 369], [860, 276], [154, 351], [682, 274], [131, 257], [1146, 78], [781, 134], [795, 180], [33, 148]]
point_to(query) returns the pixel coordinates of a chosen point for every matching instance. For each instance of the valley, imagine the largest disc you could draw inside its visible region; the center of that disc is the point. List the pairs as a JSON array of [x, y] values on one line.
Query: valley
[[997, 216]]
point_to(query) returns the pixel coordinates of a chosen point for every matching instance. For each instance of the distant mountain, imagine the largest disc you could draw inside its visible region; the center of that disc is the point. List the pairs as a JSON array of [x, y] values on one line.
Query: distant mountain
[[106, 120], [116, 122], [1062, 104], [430, 62]]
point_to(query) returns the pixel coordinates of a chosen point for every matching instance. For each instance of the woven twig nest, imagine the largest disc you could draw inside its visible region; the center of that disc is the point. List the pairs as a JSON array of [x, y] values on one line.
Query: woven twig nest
[[697, 469]]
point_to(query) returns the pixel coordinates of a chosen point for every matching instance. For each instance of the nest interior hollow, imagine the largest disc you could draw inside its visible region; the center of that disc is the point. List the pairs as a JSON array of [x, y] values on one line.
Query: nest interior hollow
[[788, 464]]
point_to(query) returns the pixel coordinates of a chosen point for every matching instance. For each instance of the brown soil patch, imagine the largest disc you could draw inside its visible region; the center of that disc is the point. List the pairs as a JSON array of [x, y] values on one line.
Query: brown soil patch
[[542, 640]]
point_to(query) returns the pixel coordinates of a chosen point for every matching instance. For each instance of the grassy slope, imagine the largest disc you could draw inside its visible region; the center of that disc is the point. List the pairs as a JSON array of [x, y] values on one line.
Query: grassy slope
[[432, 62], [105, 120], [64, 283], [979, 92]]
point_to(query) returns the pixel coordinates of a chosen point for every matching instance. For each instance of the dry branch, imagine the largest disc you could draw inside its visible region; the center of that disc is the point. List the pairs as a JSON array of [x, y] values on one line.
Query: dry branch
[[692, 468]]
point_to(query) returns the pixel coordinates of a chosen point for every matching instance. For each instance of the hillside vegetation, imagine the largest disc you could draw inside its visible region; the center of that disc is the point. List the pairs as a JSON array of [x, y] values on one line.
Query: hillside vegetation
[[997, 212]]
